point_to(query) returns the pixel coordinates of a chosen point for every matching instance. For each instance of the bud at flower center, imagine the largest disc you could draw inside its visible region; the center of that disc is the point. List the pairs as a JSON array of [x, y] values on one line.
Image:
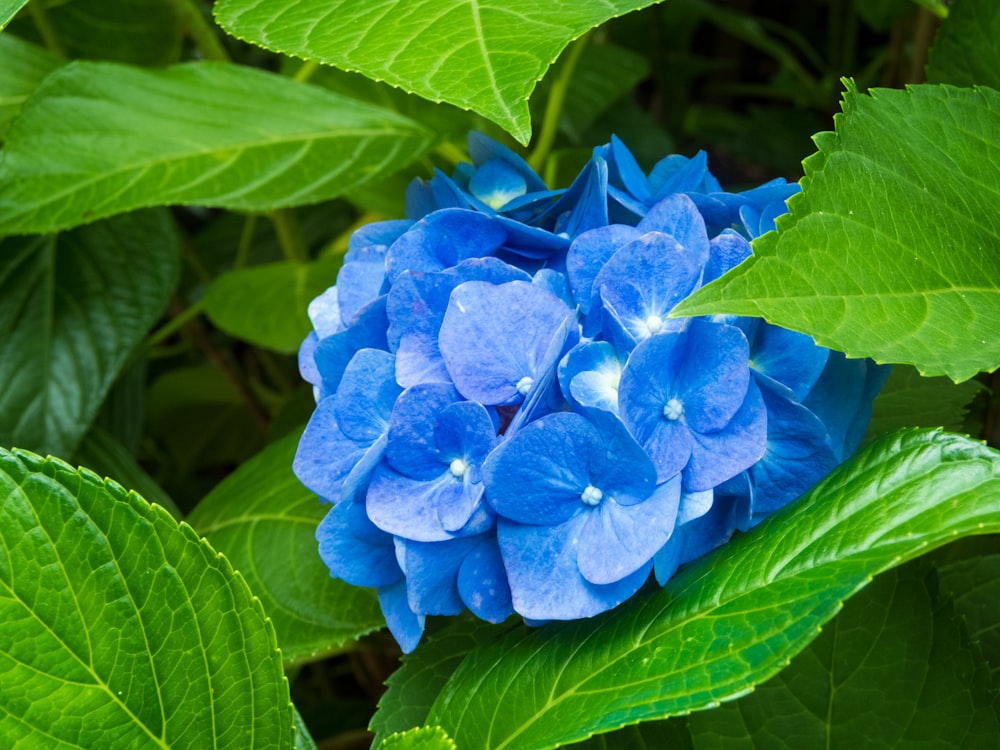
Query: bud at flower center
[[673, 410], [591, 495], [524, 385], [458, 467], [655, 324]]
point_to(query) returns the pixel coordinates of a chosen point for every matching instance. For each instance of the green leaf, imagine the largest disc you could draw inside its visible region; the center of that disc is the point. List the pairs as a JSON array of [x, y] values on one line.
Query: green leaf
[[141, 32], [965, 51], [650, 735], [894, 669], [105, 456], [24, 66], [413, 687], [421, 738], [909, 400], [970, 573], [732, 619], [887, 252], [264, 521], [119, 628], [72, 308], [483, 55], [101, 138], [9, 9], [243, 303]]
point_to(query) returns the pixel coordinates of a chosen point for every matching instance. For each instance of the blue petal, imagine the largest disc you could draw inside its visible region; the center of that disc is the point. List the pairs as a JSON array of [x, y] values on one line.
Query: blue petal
[[789, 357], [443, 239], [678, 216], [325, 456], [406, 626], [713, 377], [494, 338], [358, 284], [354, 550], [625, 169], [718, 456], [333, 353], [589, 375], [728, 250], [366, 395], [496, 183], [482, 581], [413, 449], [378, 233], [482, 148], [432, 575], [617, 540], [410, 508], [546, 583], [324, 313], [587, 256]]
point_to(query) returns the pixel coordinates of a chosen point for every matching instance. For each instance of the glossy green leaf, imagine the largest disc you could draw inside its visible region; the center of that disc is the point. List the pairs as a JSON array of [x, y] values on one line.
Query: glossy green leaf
[[970, 573], [9, 9], [264, 521], [266, 305], [650, 735], [483, 55], [24, 66], [909, 400], [413, 687], [119, 628], [101, 138], [889, 251], [140, 32], [72, 308], [733, 619], [965, 51], [421, 738], [894, 669]]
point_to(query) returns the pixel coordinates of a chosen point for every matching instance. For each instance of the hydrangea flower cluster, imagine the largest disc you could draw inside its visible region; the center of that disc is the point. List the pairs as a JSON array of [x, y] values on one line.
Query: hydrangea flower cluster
[[507, 418]]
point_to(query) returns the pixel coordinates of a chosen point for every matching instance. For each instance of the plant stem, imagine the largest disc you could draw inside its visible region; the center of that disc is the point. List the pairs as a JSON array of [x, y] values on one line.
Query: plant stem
[[246, 238], [304, 73], [451, 152], [293, 244], [554, 106], [175, 324], [45, 29], [923, 37], [200, 30]]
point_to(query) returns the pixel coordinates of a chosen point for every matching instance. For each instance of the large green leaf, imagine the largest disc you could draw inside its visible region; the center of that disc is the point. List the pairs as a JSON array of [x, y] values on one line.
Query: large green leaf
[[9, 9], [893, 670], [72, 308], [483, 55], [24, 66], [890, 250], [243, 302], [421, 738], [965, 49], [141, 32], [119, 628], [736, 617], [264, 521], [102, 138]]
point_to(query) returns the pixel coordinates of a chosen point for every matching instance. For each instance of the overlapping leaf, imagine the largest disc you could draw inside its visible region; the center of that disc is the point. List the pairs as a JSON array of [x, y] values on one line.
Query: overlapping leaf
[[889, 252], [965, 51], [141, 32], [894, 669], [909, 400], [483, 55], [9, 9], [24, 66], [733, 619], [243, 303], [119, 628], [101, 138], [72, 308], [265, 522]]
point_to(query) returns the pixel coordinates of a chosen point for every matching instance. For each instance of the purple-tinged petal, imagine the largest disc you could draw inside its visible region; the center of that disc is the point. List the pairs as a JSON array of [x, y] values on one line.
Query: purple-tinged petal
[[495, 338], [432, 575], [617, 540], [325, 456], [324, 313], [443, 239], [333, 353], [307, 362], [378, 233], [366, 395], [413, 448], [728, 250], [359, 284]]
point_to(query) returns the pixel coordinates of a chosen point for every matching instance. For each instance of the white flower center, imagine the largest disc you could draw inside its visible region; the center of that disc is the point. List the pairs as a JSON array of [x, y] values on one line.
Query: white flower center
[[655, 324], [458, 467], [673, 410], [591, 495], [524, 385]]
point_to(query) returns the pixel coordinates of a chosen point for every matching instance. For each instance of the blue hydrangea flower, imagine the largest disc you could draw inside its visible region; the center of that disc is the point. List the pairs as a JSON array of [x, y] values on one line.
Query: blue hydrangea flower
[[509, 420]]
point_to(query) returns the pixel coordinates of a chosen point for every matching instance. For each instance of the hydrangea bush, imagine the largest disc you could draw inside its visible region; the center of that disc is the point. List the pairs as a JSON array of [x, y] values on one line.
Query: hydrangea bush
[[509, 420]]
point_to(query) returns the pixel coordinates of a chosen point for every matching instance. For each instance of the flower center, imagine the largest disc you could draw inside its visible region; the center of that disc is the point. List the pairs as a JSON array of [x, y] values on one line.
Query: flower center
[[591, 496], [458, 467], [673, 410], [524, 385], [655, 324]]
